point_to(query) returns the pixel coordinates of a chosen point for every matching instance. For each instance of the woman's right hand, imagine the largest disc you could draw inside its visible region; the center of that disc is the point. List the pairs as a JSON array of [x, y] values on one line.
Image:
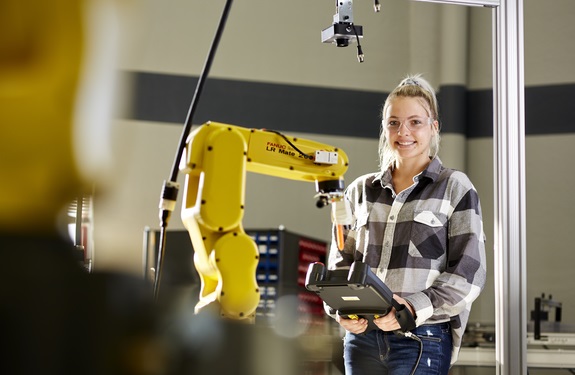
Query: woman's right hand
[[355, 326]]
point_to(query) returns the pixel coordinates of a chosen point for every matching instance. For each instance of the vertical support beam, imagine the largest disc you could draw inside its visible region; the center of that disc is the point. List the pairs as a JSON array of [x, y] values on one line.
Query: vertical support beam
[[509, 170]]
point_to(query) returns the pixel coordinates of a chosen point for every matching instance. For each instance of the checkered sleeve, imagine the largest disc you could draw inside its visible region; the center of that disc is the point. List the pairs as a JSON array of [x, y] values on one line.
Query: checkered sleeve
[[453, 291]]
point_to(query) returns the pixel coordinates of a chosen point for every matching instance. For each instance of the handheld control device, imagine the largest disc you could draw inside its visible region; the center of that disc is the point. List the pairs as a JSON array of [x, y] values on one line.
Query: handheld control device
[[356, 293]]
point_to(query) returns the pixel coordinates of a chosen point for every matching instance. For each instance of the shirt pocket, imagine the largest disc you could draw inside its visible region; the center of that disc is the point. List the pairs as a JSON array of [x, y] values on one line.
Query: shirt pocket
[[428, 235], [428, 218]]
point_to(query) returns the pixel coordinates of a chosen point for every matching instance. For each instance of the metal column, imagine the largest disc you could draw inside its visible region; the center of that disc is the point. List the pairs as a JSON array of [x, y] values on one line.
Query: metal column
[[509, 173], [509, 169]]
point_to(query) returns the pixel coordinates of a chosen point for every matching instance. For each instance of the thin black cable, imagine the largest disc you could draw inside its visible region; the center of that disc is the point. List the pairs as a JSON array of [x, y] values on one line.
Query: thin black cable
[[359, 50], [413, 336], [170, 188], [199, 88], [160, 261], [306, 156], [416, 338]]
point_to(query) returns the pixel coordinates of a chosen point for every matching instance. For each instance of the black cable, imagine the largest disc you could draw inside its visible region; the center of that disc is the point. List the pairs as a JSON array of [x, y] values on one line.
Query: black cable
[[416, 338], [359, 50], [199, 88], [170, 188], [304, 155], [160, 261]]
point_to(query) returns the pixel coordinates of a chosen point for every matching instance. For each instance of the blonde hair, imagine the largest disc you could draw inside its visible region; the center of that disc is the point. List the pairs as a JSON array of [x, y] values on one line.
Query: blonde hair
[[412, 86]]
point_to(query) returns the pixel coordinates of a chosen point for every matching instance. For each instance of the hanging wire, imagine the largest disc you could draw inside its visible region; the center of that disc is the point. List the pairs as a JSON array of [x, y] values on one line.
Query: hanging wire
[[170, 188]]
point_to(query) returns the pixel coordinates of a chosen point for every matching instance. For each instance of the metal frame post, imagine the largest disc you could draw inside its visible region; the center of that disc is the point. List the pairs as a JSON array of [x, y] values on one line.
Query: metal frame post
[[509, 169], [509, 175]]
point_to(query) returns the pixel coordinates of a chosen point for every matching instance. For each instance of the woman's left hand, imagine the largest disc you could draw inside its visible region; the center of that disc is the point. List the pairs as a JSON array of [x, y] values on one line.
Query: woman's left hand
[[389, 322]]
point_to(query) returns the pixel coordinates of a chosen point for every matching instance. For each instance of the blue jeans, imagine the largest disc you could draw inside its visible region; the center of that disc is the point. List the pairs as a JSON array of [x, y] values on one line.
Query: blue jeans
[[382, 353]]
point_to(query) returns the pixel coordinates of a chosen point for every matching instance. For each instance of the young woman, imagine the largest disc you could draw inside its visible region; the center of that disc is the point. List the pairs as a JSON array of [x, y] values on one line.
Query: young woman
[[418, 225]]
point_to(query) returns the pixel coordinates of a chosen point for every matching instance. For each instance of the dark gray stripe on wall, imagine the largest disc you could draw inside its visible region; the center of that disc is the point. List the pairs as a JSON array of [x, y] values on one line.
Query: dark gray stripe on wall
[[306, 109], [453, 109], [548, 110], [166, 98], [480, 114]]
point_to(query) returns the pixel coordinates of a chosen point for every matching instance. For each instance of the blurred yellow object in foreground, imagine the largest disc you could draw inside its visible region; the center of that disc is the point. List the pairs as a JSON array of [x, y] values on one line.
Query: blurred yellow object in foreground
[[42, 56]]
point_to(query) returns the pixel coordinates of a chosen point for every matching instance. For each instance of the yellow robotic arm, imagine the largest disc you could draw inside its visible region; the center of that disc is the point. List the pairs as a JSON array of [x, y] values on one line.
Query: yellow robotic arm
[[215, 161]]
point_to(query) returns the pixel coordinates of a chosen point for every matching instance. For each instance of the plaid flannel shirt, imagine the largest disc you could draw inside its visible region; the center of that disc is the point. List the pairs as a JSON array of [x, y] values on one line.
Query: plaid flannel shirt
[[426, 243]]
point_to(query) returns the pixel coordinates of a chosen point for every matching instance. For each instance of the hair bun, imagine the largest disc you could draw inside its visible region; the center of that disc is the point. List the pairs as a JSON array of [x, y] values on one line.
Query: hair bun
[[410, 81]]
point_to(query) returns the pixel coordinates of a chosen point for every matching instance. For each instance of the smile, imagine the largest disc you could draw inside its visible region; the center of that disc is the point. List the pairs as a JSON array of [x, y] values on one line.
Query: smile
[[406, 143]]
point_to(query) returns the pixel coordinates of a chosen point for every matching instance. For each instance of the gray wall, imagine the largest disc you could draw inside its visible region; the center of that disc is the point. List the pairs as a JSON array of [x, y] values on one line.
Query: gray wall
[[275, 46]]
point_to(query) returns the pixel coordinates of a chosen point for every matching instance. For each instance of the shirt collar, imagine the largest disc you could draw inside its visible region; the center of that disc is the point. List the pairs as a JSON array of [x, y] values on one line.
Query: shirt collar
[[431, 171]]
